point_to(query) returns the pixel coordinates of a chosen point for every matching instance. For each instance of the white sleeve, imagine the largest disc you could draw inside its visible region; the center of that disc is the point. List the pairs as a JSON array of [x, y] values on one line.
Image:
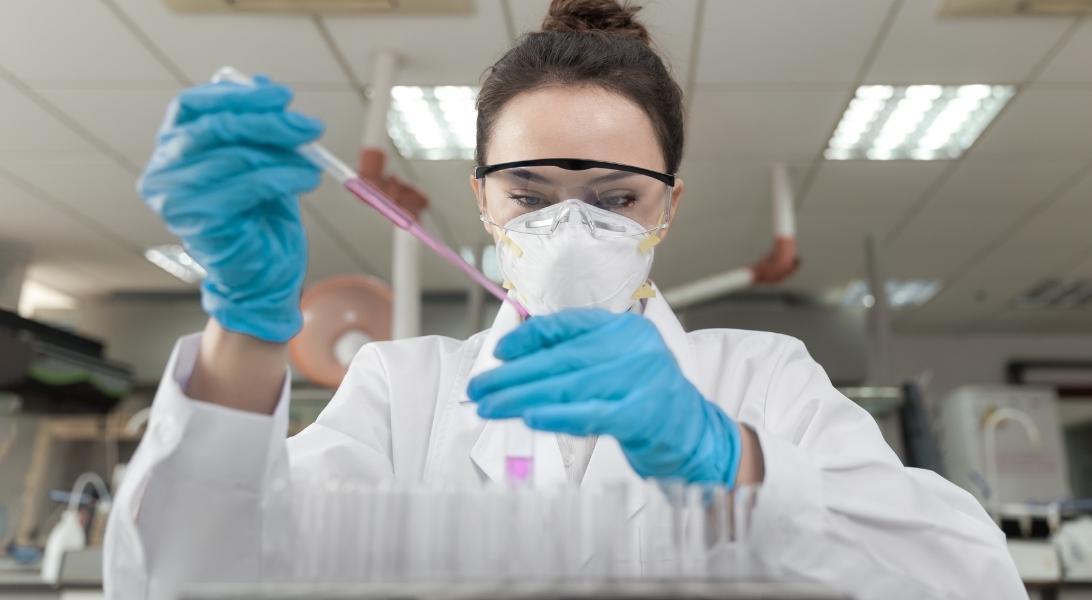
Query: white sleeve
[[195, 505], [837, 505]]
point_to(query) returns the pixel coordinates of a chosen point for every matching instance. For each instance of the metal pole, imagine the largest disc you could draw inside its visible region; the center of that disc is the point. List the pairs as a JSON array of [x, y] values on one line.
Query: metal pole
[[405, 251], [14, 261], [879, 316], [475, 296]]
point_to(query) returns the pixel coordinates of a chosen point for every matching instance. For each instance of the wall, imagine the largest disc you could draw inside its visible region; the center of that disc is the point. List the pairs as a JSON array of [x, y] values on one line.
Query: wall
[[947, 361], [141, 332]]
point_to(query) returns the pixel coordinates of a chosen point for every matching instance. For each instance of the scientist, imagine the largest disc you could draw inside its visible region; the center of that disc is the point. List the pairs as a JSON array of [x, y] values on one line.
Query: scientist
[[579, 137]]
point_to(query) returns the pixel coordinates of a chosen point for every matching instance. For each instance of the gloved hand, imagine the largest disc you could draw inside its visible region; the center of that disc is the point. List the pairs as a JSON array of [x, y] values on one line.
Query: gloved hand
[[225, 178], [589, 371]]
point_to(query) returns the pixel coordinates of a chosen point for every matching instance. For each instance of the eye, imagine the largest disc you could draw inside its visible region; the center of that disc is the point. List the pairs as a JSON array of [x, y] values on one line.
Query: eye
[[527, 200], [615, 200]]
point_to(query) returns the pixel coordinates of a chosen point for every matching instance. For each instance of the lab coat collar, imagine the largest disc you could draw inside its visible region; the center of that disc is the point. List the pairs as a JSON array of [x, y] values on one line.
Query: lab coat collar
[[608, 463]]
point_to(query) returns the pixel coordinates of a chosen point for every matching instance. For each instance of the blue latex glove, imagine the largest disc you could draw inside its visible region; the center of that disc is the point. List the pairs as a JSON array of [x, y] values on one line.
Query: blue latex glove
[[225, 178], [589, 371]]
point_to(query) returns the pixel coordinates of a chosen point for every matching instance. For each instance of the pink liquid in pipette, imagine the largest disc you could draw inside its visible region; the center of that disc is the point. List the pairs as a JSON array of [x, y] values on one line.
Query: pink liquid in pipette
[[519, 469], [394, 213]]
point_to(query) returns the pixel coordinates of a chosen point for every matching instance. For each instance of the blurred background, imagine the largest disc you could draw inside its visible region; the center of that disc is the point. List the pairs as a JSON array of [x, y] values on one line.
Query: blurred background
[[927, 162]]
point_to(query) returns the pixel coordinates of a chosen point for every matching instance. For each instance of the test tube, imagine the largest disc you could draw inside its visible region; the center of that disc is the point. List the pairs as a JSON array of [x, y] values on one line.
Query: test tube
[[519, 454]]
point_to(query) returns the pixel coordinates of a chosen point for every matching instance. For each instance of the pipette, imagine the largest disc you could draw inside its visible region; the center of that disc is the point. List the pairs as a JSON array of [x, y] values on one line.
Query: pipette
[[376, 199]]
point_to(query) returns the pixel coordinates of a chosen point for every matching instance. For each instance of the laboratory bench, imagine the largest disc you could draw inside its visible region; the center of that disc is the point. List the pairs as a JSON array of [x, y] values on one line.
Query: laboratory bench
[[574, 590], [80, 578]]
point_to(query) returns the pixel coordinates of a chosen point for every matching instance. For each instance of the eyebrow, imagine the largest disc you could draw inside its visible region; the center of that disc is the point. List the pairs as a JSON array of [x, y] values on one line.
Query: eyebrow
[[612, 177], [528, 175]]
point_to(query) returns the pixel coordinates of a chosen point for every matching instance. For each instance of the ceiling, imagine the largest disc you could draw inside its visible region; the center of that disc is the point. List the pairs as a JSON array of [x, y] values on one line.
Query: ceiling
[[83, 86]]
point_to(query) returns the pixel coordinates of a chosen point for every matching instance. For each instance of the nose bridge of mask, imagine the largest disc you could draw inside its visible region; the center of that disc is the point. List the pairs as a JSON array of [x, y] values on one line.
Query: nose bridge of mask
[[575, 213]]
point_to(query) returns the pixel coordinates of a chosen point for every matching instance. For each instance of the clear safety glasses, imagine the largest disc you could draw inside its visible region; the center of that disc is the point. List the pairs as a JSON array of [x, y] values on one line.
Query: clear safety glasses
[[508, 191]]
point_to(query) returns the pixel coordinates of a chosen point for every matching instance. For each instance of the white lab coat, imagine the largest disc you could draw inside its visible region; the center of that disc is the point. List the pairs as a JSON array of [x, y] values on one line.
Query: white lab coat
[[836, 504]]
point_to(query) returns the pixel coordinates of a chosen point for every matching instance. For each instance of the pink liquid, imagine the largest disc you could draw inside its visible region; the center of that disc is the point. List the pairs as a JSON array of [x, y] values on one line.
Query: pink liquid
[[376, 199], [519, 469]]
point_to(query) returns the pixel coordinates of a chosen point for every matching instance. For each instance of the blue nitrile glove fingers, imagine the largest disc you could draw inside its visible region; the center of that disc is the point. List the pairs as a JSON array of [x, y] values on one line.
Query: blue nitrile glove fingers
[[586, 372], [225, 177]]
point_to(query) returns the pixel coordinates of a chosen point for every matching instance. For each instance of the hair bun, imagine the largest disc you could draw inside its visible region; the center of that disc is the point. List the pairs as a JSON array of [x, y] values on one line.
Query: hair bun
[[606, 16]]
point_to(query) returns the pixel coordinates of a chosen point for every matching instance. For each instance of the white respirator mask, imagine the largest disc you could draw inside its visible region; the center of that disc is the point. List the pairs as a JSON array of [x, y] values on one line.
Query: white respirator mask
[[572, 232], [573, 265]]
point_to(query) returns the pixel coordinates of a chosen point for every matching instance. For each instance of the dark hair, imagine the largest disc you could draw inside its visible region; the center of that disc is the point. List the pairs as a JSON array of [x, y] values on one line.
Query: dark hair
[[588, 42]]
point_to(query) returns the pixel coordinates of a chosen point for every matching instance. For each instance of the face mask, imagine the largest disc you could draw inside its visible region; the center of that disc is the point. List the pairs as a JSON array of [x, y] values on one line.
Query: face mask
[[573, 255]]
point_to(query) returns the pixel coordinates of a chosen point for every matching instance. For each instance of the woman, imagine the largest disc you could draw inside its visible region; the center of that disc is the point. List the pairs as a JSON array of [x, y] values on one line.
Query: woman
[[580, 132]]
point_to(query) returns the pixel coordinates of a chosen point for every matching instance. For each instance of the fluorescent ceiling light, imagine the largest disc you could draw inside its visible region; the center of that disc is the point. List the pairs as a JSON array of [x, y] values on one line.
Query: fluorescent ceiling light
[[433, 123], [915, 122], [901, 294], [174, 260], [34, 296], [1057, 292]]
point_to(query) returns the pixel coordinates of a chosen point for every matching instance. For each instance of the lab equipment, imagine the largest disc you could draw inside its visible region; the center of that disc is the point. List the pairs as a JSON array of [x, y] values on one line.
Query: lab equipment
[[590, 371], [355, 532], [376, 199], [225, 178], [1074, 543], [1003, 444], [68, 535], [340, 315]]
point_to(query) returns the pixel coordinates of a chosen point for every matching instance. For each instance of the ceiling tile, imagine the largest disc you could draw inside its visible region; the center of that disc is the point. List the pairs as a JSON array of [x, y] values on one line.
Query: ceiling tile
[[31, 131], [823, 229], [670, 22], [1064, 223], [935, 242], [1083, 268], [325, 258], [99, 190], [70, 255], [1071, 64], [852, 186], [923, 48], [343, 112], [730, 189], [428, 44], [1078, 198], [367, 234], [762, 125], [1041, 121], [982, 183], [286, 47], [827, 264], [124, 119], [58, 41], [787, 41], [451, 201]]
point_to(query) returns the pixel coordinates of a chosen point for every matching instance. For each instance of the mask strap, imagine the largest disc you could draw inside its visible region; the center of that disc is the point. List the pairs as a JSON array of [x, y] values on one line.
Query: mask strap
[[649, 242], [645, 291], [504, 239]]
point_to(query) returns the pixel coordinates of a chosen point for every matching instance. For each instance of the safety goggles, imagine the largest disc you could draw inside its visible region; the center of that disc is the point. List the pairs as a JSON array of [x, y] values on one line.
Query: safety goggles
[[508, 191]]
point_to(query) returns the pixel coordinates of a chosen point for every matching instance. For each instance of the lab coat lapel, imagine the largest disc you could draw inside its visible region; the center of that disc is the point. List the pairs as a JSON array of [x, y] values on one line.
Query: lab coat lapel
[[488, 452], [608, 463]]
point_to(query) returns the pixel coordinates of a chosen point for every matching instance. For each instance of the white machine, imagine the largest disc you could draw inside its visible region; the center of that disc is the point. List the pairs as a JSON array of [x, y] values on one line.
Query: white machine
[[1004, 445]]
